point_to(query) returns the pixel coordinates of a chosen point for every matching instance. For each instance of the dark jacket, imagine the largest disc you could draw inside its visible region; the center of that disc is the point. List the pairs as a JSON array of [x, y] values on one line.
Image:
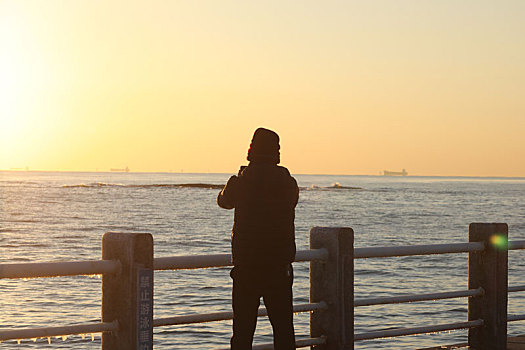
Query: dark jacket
[[264, 196]]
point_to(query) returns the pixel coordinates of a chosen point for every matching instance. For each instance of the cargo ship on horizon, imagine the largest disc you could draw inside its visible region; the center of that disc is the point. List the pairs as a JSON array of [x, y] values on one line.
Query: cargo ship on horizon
[[395, 173], [125, 170]]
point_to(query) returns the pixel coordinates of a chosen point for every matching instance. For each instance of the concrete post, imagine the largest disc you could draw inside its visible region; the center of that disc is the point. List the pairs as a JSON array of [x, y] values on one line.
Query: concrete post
[[127, 296], [332, 281], [488, 270]]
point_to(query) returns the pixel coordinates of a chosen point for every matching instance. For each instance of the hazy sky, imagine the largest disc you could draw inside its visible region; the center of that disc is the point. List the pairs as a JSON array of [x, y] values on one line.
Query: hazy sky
[[352, 87]]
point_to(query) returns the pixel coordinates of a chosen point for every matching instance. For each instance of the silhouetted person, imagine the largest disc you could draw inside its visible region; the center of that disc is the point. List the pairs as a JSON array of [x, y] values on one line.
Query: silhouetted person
[[264, 196]]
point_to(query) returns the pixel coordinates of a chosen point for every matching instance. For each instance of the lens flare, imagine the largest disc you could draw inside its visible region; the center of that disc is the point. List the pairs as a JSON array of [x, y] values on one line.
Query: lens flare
[[499, 241]]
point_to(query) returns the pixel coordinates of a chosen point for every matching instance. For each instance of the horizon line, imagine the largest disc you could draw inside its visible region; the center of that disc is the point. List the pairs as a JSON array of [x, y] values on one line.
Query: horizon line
[[226, 173]]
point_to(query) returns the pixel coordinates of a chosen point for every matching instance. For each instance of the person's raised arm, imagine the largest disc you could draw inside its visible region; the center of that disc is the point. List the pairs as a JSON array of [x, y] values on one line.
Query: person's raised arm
[[296, 194], [226, 198]]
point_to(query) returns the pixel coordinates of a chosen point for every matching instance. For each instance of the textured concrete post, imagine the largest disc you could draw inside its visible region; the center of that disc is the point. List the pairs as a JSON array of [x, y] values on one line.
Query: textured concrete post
[[127, 296], [332, 281], [488, 270]]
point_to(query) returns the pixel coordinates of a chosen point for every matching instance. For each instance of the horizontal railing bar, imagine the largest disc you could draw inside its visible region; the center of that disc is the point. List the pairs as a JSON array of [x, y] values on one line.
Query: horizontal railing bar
[[516, 245], [227, 315], [383, 252], [44, 332], [299, 343], [311, 255], [307, 307], [511, 318], [55, 269], [95, 267], [418, 297], [193, 318], [183, 262], [220, 260], [191, 262], [512, 289], [398, 332]]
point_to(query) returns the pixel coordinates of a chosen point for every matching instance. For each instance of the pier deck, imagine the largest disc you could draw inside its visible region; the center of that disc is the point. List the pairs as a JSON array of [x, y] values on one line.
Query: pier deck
[[513, 343]]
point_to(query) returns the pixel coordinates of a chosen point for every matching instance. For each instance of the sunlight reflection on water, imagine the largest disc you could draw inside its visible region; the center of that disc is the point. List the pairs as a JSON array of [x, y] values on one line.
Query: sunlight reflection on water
[[46, 217]]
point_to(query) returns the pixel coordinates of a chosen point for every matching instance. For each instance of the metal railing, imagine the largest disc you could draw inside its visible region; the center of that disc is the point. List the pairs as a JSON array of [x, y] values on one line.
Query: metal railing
[[100, 267], [471, 247], [408, 250], [56, 269], [184, 262], [47, 332], [409, 298], [321, 257], [228, 315], [222, 260]]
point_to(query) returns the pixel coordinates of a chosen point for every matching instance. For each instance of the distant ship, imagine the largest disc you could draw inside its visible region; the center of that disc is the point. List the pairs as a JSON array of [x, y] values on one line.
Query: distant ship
[[121, 170], [395, 173]]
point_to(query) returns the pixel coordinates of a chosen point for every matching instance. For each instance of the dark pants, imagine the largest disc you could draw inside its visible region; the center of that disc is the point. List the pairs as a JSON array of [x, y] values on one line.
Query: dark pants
[[275, 286]]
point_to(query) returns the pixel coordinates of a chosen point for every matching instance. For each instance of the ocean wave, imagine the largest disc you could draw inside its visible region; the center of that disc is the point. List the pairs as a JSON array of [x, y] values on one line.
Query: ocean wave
[[18, 182], [20, 259], [28, 221], [334, 186], [93, 185], [189, 185], [25, 244], [7, 230]]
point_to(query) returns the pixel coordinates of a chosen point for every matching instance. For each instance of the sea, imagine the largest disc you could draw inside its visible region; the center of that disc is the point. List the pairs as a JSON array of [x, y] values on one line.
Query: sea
[[61, 216]]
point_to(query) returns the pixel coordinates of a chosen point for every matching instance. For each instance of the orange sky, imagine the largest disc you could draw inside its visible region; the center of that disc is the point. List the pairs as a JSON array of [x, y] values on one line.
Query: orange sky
[[356, 87]]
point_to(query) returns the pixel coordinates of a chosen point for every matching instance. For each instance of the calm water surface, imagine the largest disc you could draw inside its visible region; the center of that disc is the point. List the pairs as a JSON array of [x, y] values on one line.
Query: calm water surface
[[62, 216]]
